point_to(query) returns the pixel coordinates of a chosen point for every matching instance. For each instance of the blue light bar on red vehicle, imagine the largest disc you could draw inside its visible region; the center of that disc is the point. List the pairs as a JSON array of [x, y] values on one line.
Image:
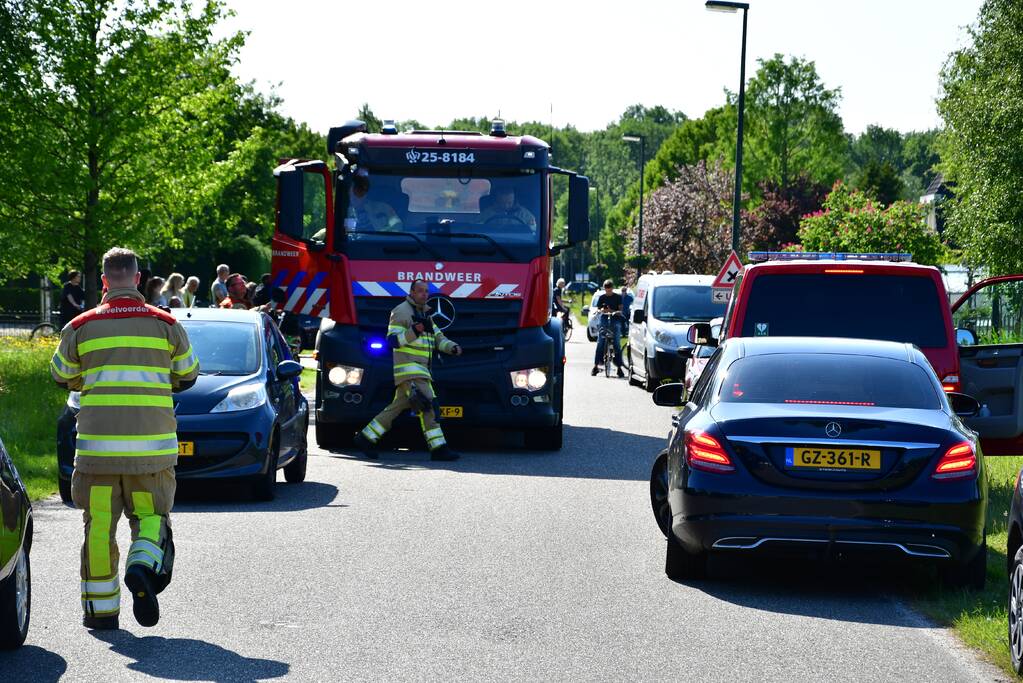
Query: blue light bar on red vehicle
[[761, 256]]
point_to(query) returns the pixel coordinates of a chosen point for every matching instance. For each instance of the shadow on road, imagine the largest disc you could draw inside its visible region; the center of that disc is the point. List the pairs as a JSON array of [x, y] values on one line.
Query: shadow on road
[[32, 663], [185, 659], [589, 453], [837, 589], [220, 496]]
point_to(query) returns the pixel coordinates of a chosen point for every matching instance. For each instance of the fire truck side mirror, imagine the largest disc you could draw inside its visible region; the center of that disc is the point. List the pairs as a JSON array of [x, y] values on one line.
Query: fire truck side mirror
[[289, 203], [578, 209]]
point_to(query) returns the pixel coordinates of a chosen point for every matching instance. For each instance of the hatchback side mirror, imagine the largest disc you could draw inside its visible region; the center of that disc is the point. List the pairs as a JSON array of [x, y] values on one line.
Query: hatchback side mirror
[[288, 369], [963, 405], [699, 333], [669, 395]]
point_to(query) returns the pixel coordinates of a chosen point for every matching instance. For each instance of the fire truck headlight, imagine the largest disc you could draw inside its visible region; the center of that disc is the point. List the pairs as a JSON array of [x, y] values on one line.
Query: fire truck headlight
[[533, 379], [345, 376]]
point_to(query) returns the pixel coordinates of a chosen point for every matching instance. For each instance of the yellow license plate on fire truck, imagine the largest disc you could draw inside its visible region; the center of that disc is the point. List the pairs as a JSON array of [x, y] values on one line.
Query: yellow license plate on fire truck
[[186, 448], [451, 411]]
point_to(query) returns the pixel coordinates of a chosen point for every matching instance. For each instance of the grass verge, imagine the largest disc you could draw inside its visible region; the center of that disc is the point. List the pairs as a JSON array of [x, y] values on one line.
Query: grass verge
[[980, 618], [30, 402]]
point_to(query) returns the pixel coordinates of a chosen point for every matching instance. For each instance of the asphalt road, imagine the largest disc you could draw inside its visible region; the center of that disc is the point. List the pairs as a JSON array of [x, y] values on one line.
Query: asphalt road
[[505, 565]]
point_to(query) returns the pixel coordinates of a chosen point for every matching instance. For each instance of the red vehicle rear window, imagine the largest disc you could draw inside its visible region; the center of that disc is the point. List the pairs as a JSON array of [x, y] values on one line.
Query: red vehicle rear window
[[861, 305]]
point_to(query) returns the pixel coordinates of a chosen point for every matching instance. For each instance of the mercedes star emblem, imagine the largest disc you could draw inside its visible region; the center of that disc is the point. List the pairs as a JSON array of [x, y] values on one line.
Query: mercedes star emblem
[[833, 429], [443, 312]]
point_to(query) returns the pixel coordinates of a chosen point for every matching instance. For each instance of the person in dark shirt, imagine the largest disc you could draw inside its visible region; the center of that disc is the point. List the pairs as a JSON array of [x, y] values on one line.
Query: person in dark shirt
[[72, 298], [262, 294], [610, 306]]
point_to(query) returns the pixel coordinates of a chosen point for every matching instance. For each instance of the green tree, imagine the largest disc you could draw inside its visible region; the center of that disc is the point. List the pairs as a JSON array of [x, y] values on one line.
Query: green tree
[[792, 126], [880, 180], [982, 107], [851, 222], [112, 115]]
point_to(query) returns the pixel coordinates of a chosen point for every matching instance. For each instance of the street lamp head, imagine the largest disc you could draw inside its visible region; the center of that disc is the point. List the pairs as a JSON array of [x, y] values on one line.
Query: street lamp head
[[632, 138], [725, 6]]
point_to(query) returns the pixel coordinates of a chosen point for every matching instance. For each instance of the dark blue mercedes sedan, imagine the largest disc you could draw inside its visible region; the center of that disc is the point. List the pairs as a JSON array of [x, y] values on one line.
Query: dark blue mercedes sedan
[[243, 418], [821, 446]]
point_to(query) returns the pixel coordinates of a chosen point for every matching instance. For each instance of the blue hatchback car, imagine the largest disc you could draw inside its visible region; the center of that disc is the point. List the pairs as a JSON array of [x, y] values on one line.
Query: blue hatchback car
[[245, 417]]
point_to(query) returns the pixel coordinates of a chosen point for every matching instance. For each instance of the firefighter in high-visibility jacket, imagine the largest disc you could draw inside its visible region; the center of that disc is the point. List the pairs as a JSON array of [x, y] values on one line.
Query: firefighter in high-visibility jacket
[[125, 358], [413, 339]]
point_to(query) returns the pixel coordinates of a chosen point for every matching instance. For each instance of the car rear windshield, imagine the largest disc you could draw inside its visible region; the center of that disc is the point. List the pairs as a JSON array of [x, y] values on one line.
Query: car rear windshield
[[224, 348], [886, 307], [685, 304], [829, 379]]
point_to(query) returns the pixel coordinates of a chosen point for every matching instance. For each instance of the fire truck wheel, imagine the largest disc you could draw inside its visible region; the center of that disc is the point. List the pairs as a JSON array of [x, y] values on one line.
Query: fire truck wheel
[[335, 436]]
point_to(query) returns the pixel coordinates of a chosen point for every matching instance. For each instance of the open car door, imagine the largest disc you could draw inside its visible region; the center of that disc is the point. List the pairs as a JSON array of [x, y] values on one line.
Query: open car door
[[989, 332], [301, 263]]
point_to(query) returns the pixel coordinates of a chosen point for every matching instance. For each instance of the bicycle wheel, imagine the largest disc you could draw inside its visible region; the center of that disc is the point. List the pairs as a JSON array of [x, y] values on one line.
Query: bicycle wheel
[[609, 354], [43, 330], [566, 328]]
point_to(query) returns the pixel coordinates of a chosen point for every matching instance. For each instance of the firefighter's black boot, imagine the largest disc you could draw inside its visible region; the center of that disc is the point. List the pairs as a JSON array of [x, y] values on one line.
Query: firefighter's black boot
[[100, 623], [444, 453], [142, 583], [365, 446]]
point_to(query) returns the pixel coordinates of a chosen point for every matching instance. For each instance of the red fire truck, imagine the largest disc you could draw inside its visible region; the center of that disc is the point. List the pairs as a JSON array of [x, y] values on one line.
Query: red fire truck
[[469, 213]]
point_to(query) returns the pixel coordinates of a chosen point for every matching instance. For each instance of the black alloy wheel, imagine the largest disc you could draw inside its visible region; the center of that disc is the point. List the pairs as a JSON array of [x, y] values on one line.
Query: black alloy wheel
[[263, 485], [1016, 612], [294, 471], [659, 493], [16, 601], [649, 383]]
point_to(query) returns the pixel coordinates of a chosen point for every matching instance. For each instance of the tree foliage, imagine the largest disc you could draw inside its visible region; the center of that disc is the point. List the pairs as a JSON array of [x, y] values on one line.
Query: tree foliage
[[982, 107], [792, 125], [112, 117], [773, 224], [688, 221], [852, 222]]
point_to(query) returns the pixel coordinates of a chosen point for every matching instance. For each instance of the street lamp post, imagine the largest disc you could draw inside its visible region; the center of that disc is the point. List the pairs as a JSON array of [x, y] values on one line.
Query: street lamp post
[[731, 7], [641, 139]]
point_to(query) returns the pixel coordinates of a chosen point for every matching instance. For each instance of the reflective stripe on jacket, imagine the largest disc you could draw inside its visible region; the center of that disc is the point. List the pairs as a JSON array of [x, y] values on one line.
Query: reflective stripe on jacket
[[126, 358], [413, 353]]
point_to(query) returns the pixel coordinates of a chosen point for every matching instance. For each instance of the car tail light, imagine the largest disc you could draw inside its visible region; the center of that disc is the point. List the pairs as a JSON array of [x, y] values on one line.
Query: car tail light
[[950, 382], [959, 462], [704, 452]]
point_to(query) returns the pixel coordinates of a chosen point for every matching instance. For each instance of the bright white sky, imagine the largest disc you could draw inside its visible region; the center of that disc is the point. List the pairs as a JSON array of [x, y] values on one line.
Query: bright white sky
[[437, 60]]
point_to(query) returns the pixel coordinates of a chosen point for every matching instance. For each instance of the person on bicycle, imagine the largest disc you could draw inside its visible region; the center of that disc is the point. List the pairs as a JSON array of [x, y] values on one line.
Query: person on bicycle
[[610, 306], [556, 303]]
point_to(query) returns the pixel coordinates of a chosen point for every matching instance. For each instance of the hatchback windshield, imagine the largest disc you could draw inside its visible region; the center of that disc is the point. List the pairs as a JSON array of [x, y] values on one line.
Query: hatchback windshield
[[505, 206], [829, 379], [886, 307], [685, 304], [224, 348]]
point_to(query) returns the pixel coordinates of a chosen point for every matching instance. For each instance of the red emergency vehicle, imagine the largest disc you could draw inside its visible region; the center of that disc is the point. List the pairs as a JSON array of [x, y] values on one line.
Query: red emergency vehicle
[[469, 213]]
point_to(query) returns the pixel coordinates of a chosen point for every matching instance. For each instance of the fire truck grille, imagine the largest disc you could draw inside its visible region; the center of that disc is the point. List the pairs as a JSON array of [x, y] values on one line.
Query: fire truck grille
[[478, 322]]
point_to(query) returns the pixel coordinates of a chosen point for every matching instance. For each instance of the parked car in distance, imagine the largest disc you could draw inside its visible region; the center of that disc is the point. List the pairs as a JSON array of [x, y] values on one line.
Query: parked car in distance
[[581, 287], [244, 417], [666, 305], [829, 445], [887, 297], [15, 547], [696, 356]]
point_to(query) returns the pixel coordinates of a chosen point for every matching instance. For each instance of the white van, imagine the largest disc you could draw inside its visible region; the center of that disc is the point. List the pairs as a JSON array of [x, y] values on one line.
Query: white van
[[665, 306]]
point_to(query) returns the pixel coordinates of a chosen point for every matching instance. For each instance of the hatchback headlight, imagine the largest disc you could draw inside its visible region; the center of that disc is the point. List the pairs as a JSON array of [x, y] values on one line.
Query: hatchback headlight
[[245, 397], [345, 376], [533, 379]]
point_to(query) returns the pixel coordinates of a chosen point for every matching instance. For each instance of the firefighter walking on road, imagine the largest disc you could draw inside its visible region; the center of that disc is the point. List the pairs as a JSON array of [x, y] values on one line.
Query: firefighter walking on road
[[413, 338], [125, 358]]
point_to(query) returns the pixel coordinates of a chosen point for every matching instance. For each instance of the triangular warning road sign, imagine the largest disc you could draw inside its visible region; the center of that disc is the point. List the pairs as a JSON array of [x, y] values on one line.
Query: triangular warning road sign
[[729, 271]]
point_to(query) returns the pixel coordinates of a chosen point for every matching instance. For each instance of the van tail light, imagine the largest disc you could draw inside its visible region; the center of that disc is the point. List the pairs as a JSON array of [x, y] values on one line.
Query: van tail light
[[959, 462], [950, 383], [704, 452]]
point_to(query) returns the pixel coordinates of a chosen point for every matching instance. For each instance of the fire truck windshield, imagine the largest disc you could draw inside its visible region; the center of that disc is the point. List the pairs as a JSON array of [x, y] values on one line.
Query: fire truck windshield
[[502, 208]]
